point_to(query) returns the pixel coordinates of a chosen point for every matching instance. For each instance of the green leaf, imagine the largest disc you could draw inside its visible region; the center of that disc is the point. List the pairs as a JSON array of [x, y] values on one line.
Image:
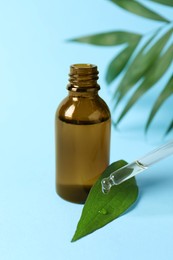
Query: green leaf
[[119, 62], [165, 94], [133, 73], [170, 128], [140, 65], [139, 9], [100, 209], [153, 75], [164, 2], [109, 38]]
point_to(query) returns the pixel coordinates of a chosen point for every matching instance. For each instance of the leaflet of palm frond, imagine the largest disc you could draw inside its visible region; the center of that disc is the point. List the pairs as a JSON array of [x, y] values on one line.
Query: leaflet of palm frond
[[151, 78], [139, 9], [119, 62], [141, 64], [164, 95], [112, 38]]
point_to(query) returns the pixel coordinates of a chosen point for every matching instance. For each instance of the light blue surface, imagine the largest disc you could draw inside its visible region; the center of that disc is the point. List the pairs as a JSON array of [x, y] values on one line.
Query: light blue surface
[[34, 62]]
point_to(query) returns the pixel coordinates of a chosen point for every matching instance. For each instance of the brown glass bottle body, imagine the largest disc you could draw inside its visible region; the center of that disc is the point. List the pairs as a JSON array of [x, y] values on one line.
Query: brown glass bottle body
[[82, 125]]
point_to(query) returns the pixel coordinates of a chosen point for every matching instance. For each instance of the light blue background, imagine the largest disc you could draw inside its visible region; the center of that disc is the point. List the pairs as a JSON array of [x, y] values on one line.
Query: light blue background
[[34, 62]]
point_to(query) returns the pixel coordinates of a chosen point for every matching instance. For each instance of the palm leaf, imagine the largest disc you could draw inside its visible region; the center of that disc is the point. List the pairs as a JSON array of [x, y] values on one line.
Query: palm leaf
[[165, 94], [164, 2], [109, 38], [154, 74], [139, 9], [133, 68], [170, 128], [140, 65], [119, 62]]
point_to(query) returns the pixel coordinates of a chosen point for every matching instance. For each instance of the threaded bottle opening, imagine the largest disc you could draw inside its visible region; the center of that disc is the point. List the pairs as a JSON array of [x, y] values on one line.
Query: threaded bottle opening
[[83, 76]]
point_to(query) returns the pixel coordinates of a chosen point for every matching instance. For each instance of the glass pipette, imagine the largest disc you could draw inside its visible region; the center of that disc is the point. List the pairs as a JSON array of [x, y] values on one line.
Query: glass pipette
[[132, 169]]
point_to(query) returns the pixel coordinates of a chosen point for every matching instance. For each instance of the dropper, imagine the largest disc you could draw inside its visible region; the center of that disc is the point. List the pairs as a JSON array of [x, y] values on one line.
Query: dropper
[[139, 165]]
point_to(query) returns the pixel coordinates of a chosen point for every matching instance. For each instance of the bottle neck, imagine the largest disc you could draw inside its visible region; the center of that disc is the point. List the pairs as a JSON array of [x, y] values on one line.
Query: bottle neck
[[83, 78], [89, 93]]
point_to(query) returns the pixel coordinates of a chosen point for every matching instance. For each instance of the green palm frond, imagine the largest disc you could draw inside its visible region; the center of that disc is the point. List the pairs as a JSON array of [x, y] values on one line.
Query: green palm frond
[[140, 65], [119, 62], [152, 76], [165, 94], [139, 9], [163, 2], [144, 60], [109, 38], [170, 128]]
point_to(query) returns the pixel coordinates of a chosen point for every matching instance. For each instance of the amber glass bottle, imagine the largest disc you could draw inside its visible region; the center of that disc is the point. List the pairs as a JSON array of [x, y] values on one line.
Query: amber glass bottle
[[82, 125]]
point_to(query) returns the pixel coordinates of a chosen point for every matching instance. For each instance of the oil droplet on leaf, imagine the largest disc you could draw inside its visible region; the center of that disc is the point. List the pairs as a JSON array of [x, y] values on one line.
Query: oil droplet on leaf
[[103, 211]]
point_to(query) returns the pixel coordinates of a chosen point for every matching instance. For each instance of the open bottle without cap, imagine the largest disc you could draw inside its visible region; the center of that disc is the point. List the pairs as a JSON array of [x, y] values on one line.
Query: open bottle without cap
[[82, 130]]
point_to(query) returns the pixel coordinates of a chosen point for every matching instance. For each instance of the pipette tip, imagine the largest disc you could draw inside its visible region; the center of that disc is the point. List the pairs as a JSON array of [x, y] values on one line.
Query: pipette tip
[[106, 185]]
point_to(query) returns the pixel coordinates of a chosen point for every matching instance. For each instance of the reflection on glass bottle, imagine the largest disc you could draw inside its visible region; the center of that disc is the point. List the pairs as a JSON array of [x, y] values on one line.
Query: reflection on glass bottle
[[82, 135]]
